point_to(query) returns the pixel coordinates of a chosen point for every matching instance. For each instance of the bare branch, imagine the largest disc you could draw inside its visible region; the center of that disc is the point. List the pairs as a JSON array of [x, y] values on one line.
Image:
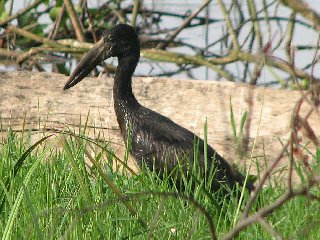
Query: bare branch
[[271, 208], [169, 38], [75, 21], [303, 8], [230, 27], [21, 12]]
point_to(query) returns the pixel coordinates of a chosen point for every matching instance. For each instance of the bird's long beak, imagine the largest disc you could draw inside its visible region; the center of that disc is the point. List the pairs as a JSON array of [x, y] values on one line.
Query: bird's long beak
[[96, 55]]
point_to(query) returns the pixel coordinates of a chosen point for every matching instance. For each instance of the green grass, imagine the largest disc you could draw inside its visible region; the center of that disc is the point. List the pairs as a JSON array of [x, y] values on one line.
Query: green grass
[[47, 192]]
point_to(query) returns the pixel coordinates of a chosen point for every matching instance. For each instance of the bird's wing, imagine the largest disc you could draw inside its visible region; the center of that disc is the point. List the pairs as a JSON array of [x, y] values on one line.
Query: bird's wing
[[159, 138]]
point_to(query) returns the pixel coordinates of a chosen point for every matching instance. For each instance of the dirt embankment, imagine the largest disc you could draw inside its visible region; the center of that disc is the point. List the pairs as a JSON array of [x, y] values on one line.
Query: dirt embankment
[[39, 99]]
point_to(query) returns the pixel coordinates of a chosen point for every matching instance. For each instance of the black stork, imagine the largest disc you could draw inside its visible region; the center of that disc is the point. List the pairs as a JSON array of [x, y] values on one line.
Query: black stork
[[156, 140]]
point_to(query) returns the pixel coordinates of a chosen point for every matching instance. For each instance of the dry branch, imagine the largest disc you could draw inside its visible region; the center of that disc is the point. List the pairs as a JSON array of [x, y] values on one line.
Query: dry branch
[[135, 10], [244, 51], [57, 23], [298, 124], [301, 7], [33, 36], [181, 59], [178, 58], [21, 12], [8, 53], [75, 21], [229, 26], [170, 37], [264, 212], [37, 50], [256, 26]]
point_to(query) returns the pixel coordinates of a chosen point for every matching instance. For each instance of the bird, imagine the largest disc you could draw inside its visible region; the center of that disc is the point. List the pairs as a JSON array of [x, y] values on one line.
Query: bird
[[155, 140]]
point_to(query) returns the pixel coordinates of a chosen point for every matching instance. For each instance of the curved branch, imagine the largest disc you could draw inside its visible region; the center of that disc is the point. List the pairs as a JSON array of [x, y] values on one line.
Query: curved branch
[[301, 7], [19, 13]]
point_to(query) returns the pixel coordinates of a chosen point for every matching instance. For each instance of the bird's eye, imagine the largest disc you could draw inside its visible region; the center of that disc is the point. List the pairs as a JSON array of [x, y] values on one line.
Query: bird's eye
[[110, 38]]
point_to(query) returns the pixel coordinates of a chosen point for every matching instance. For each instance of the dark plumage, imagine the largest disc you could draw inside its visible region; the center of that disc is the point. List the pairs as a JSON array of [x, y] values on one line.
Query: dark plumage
[[155, 139]]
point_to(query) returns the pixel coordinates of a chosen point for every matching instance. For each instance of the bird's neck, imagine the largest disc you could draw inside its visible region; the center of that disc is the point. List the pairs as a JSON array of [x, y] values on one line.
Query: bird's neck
[[122, 89], [125, 102]]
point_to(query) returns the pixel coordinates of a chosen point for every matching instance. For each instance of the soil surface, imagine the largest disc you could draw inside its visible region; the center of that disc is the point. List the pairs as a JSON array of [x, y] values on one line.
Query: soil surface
[[39, 101]]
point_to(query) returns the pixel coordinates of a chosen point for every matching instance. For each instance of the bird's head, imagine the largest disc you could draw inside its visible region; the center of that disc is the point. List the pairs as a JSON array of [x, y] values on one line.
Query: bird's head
[[120, 41]]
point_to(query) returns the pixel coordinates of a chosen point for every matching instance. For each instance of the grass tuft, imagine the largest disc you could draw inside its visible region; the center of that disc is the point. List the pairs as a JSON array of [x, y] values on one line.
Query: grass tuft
[[48, 191]]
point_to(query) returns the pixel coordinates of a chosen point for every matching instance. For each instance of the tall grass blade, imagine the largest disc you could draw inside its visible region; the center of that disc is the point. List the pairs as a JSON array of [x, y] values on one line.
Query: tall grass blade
[[242, 123], [18, 166], [111, 184], [33, 213], [233, 123], [82, 177], [14, 211], [205, 148]]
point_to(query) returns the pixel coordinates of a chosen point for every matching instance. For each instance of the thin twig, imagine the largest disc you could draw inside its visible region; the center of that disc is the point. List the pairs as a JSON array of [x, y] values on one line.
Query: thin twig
[[288, 43], [33, 36], [264, 212], [256, 26], [316, 92], [263, 179], [230, 28], [19, 13], [57, 23], [36, 50], [8, 53], [304, 9], [170, 37], [269, 228], [135, 10], [75, 21], [162, 55], [273, 62], [91, 25]]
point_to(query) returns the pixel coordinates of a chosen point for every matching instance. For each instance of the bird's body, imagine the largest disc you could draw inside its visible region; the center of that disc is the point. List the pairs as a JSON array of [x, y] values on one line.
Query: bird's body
[[154, 139]]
